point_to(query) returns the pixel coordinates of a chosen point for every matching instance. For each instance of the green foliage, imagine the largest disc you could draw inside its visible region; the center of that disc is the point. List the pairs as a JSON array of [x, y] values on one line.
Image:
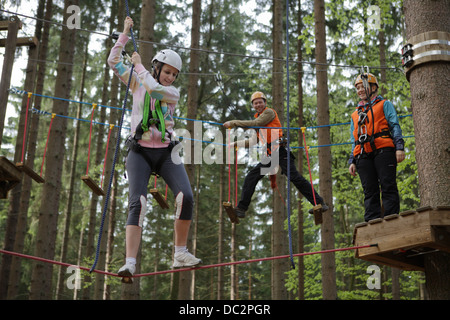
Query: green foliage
[[230, 41]]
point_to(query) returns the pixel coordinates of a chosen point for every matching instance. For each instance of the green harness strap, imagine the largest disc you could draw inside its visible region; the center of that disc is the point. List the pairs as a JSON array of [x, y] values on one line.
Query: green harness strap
[[155, 115]]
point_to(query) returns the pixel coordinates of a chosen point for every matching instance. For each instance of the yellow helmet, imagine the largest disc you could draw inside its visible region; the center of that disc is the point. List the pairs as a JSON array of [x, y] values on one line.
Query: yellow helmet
[[370, 78], [258, 94]]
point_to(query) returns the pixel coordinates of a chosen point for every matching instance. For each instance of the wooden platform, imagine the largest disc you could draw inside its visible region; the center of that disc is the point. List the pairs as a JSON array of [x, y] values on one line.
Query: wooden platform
[[91, 184], [230, 211], [403, 240], [26, 169], [10, 176], [317, 212], [159, 198]]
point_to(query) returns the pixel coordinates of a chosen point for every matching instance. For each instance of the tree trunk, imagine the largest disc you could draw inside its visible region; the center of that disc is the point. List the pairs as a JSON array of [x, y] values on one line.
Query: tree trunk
[[429, 99], [22, 225], [41, 280], [11, 223], [185, 278], [8, 62], [325, 184], [146, 32], [16, 224], [301, 241], [220, 254], [102, 133], [280, 266], [68, 215]]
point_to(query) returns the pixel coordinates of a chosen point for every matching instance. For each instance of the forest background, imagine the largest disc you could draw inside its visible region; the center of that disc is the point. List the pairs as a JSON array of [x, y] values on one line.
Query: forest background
[[235, 58]]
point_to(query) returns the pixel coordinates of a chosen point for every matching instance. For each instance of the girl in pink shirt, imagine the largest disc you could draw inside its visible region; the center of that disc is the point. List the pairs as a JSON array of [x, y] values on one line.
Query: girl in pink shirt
[[150, 145]]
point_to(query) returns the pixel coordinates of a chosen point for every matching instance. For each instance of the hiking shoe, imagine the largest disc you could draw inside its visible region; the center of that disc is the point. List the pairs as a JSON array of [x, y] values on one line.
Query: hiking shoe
[[185, 259], [127, 270], [324, 208], [239, 212]]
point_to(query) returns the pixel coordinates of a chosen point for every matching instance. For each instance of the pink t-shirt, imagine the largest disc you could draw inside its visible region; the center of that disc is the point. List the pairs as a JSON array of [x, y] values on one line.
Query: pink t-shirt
[[141, 82]]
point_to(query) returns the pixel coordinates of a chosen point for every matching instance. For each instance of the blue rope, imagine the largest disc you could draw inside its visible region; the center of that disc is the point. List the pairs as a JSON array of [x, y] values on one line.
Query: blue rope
[[17, 91], [115, 153], [288, 139]]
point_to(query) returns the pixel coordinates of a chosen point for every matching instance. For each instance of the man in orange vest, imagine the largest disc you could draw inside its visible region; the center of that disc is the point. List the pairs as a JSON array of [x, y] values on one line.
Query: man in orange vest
[[377, 147], [268, 118]]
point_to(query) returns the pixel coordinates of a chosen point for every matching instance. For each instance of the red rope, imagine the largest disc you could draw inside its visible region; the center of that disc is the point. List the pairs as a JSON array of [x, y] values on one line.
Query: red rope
[[25, 128], [229, 168], [94, 105], [187, 269], [21, 255], [236, 179], [309, 167], [46, 143], [111, 126]]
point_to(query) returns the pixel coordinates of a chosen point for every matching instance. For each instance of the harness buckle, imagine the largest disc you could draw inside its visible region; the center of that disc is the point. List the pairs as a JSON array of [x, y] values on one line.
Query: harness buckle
[[363, 136], [362, 117]]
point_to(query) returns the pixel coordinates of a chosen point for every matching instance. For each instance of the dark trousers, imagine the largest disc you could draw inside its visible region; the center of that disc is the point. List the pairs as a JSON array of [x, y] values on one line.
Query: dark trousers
[[379, 171], [253, 177]]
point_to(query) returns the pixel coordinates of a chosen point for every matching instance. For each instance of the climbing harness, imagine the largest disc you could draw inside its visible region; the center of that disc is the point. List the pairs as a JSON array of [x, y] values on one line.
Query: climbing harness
[[152, 116], [363, 135], [363, 120]]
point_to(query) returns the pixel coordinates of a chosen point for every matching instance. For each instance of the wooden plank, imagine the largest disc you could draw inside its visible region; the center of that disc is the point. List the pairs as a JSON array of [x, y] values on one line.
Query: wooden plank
[[10, 176], [26, 169], [127, 280], [22, 42], [402, 241], [8, 171], [399, 261], [159, 198], [230, 211], [317, 212], [4, 24], [94, 187], [404, 232]]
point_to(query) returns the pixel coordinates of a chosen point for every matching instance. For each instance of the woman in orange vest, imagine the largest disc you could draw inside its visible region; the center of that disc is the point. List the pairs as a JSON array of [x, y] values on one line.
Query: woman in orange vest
[[267, 117], [377, 147]]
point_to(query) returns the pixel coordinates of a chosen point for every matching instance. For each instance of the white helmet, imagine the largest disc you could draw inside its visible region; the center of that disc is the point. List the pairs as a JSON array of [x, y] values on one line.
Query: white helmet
[[169, 57]]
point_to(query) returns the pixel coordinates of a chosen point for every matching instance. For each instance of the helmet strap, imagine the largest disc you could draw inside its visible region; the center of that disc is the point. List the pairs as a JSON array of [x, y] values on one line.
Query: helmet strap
[[156, 70]]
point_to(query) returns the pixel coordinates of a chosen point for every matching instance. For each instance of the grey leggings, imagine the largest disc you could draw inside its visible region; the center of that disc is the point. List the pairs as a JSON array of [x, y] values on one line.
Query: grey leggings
[[139, 168]]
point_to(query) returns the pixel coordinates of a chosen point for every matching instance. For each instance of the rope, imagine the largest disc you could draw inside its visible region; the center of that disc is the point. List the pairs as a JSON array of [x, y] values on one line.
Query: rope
[[111, 126], [97, 254], [17, 91], [90, 136], [229, 168], [25, 127], [236, 178], [21, 255], [40, 112], [206, 50], [46, 143]]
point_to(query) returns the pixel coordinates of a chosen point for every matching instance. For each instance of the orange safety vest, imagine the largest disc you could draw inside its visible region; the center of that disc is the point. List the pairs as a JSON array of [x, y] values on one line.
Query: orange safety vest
[[270, 135], [382, 136]]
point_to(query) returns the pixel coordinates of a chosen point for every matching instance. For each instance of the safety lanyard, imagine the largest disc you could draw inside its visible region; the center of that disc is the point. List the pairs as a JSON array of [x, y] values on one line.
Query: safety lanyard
[[154, 116]]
